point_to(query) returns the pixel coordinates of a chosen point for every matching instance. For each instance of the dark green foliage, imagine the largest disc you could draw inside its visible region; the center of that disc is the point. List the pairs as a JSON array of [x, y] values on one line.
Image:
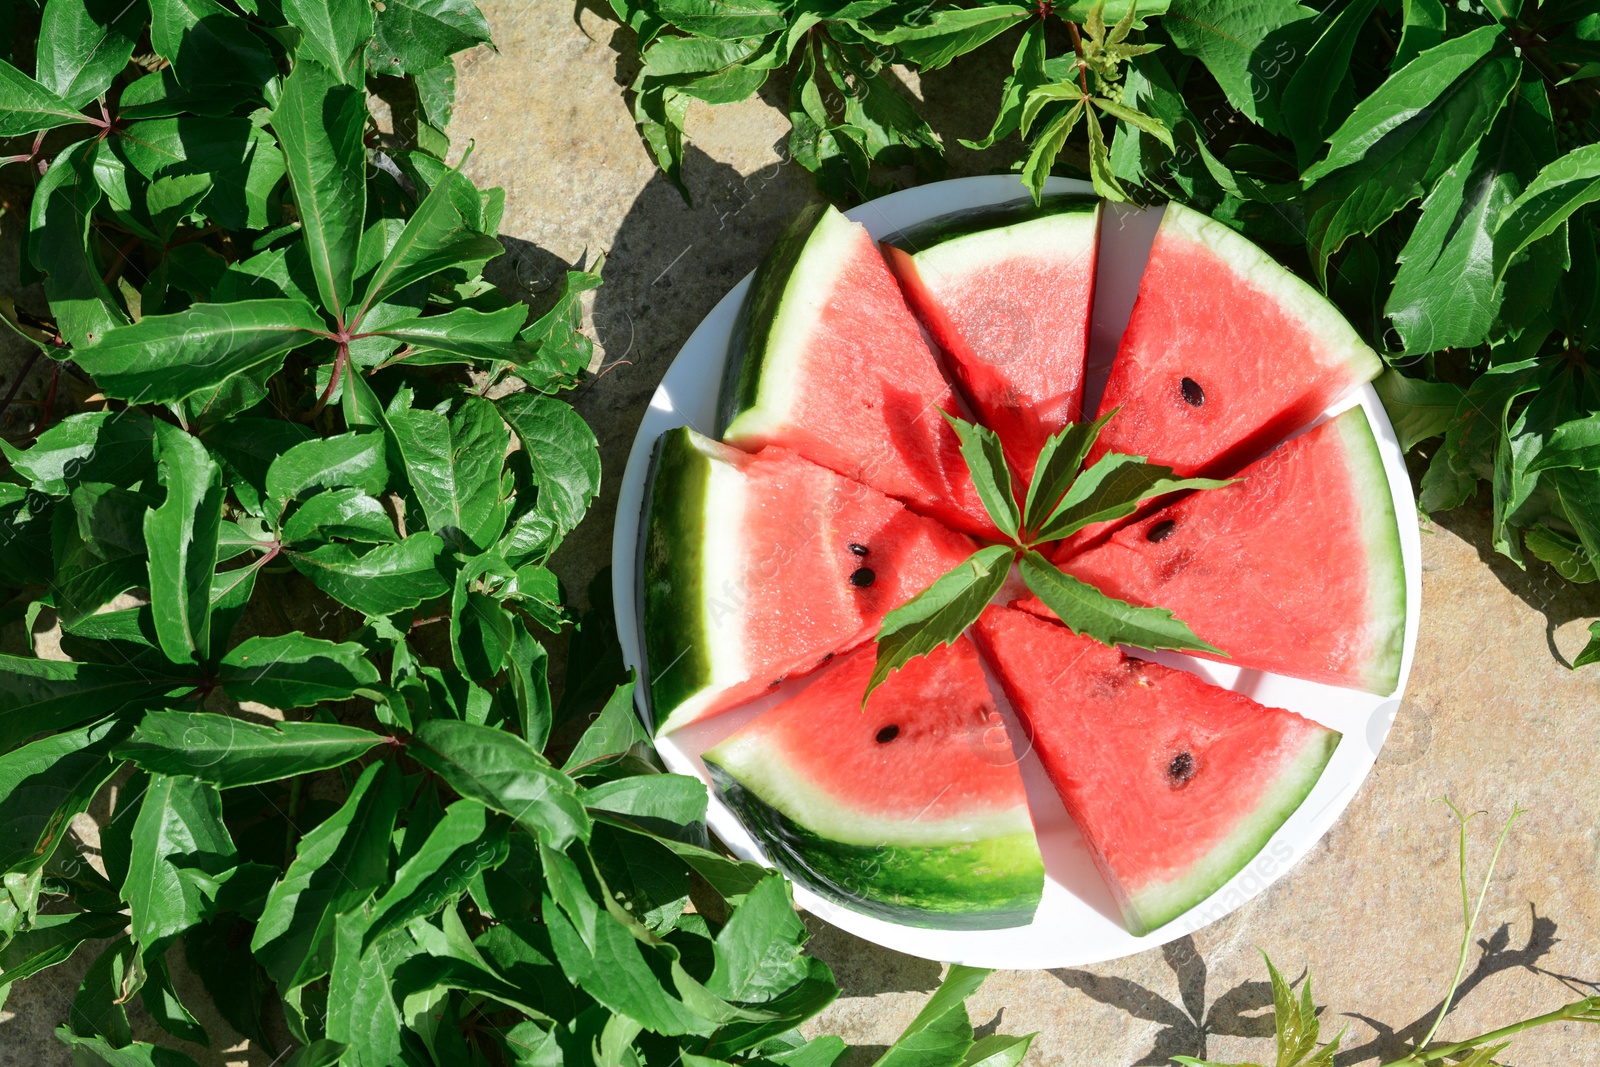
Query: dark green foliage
[[323, 703]]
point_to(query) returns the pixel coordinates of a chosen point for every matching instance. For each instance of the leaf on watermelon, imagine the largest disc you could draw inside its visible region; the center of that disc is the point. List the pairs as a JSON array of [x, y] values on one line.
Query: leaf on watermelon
[[938, 615], [1059, 464], [1089, 612], [1113, 489], [986, 462]]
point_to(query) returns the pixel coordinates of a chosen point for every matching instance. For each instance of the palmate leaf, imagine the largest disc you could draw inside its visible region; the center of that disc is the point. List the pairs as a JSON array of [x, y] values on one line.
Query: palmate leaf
[[940, 613], [1059, 464], [991, 477], [1089, 612], [505, 773], [83, 46], [1560, 189], [179, 848], [181, 536], [1113, 489], [27, 107]]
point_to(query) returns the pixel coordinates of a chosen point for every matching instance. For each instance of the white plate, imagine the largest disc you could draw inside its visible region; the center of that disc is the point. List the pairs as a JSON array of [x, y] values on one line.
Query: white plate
[[1077, 920]]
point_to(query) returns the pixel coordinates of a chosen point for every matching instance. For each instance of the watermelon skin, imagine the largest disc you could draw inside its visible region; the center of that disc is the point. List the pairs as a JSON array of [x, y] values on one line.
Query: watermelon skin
[[746, 571], [1007, 292], [828, 361], [1268, 352], [1112, 732], [1233, 562], [929, 827]]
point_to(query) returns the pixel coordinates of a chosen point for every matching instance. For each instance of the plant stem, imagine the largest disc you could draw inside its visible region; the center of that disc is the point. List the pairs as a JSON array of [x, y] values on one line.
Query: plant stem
[[1576, 1010], [1469, 913]]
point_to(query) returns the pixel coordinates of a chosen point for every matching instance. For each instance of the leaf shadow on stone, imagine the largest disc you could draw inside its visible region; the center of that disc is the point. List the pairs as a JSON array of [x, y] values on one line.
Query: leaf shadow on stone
[[1185, 1025], [862, 969], [1496, 956], [1539, 586]]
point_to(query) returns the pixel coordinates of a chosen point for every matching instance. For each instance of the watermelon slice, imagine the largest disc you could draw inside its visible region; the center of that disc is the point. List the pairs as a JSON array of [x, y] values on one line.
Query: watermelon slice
[[829, 361], [761, 567], [1007, 293], [912, 810], [1226, 353], [1294, 569], [1175, 784]]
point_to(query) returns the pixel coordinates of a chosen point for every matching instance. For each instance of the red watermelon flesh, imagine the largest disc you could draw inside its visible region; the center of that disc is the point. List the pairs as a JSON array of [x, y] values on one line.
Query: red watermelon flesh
[[1294, 569], [829, 362], [1175, 784], [1007, 294], [1225, 354], [913, 807], [761, 567]]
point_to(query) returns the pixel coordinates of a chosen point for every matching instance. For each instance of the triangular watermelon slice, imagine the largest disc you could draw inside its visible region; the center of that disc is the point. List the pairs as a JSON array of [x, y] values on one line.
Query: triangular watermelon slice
[[1226, 353], [1174, 783], [912, 809], [829, 361], [760, 567], [1294, 569], [1007, 293]]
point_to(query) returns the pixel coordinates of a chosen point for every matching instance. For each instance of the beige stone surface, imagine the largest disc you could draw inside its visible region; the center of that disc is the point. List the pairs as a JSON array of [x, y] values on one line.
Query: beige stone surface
[[1492, 716]]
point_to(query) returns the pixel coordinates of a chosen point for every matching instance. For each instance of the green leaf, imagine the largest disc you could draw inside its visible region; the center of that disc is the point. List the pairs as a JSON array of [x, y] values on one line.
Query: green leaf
[[614, 731], [938, 615], [1422, 27], [161, 1001], [1046, 147], [333, 33], [1566, 554], [43, 786], [941, 1034], [362, 1013], [320, 122], [84, 45], [1591, 651], [28, 106], [95, 446], [437, 236], [1059, 464], [1445, 294], [1560, 189], [1113, 489], [295, 671], [180, 846], [1089, 612], [51, 940], [335, 868], [43, 695], [339, 513], [60, 245], [563, 457], [454, 466], [414, 35], [529, 684], [465, 842], [759, 951], [182, 539], [242, 160], [1249, 46], [211, 49], [229, 752], [1308, 96], [137, 1054], [1418, 409], [480, 626], [379, 581], [356, 460], [998, 1050], [1027, 74], [505, 773], [465, 333], [986, 462], [100, 1007], [163, 359], [1407, 133]]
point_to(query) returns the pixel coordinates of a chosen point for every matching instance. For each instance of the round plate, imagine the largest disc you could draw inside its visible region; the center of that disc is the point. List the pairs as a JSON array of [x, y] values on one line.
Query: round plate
[[1077, 919]]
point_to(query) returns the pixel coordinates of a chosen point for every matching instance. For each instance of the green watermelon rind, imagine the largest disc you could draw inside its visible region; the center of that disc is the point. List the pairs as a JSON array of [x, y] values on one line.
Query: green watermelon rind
[[1001, 220], [1386, 569], [1153, 906], [689, 496], [1046, 234], [1320, 318], [764, 358], [986, 884]]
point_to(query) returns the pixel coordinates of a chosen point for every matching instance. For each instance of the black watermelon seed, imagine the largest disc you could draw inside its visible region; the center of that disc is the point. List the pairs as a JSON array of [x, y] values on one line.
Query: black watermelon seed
[[779, 680], [860, 550], [1160, 531], [1192, 393], [828, 658], [863, 577], [888, 733], [1181, 769]]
